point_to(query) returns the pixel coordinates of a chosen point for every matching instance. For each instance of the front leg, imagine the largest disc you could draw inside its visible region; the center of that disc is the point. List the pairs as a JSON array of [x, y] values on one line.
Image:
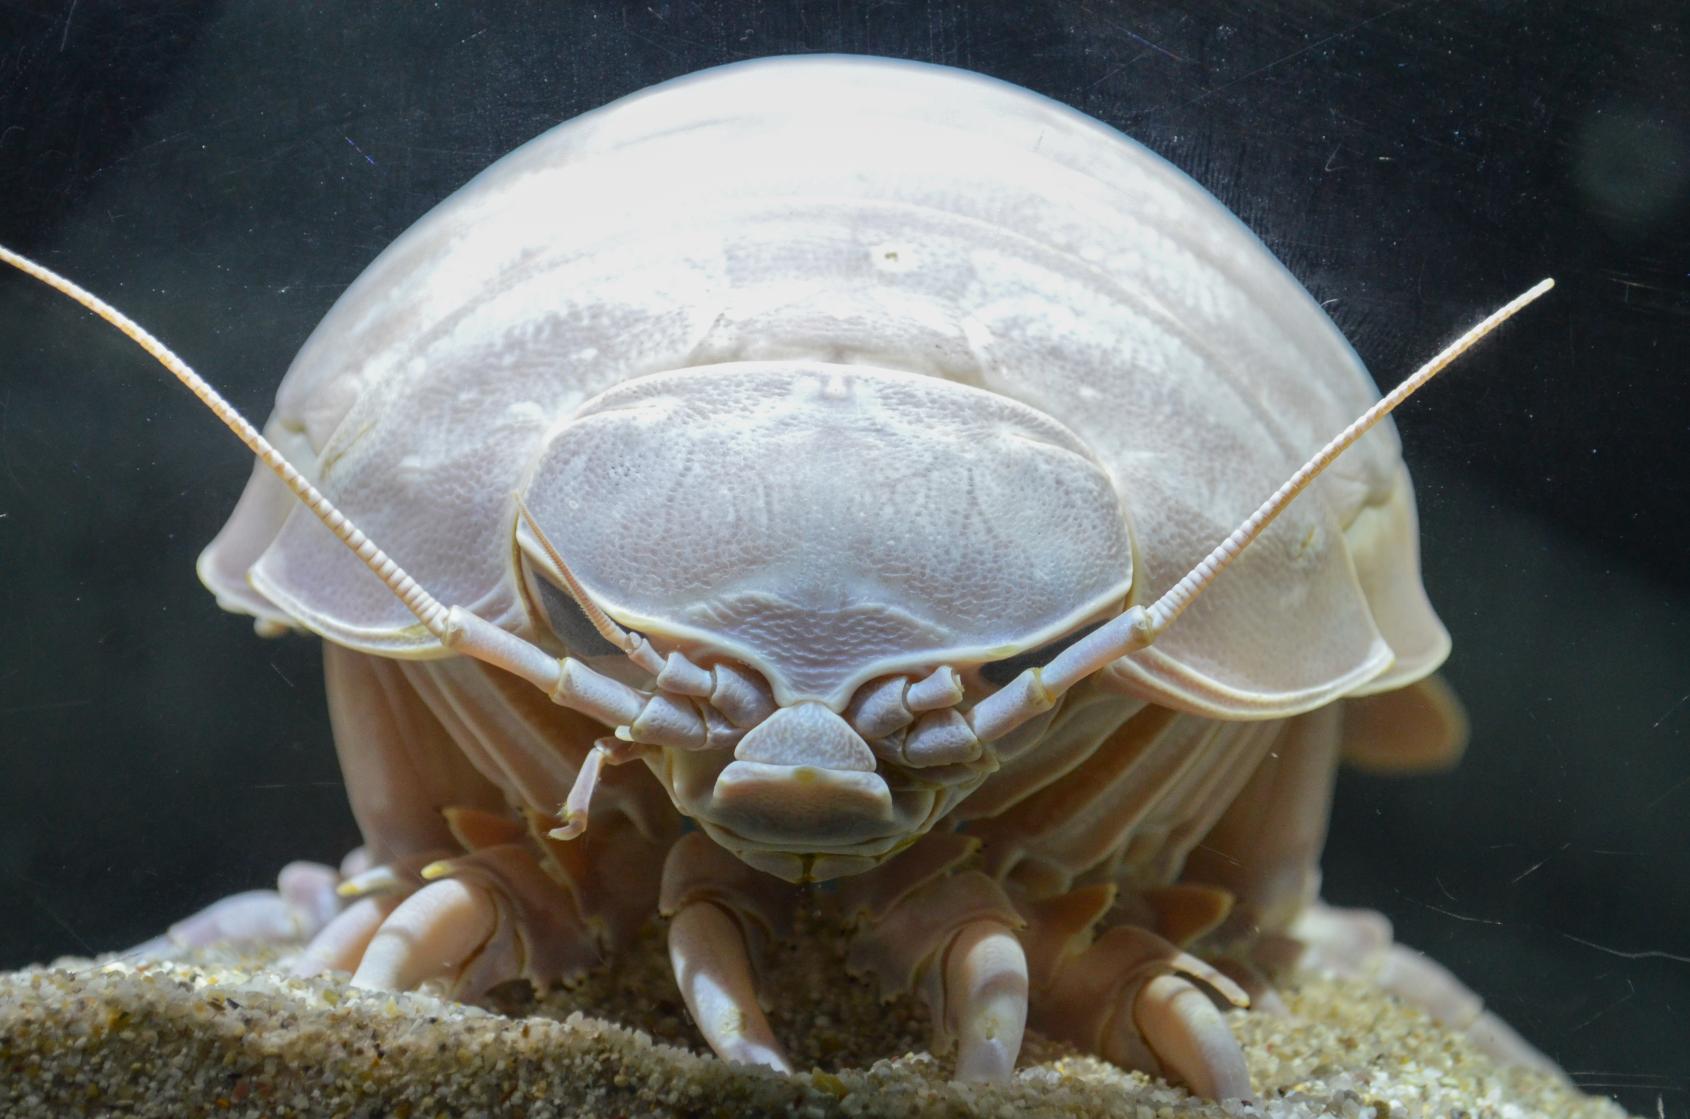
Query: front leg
[[722, 915], [930, 922]]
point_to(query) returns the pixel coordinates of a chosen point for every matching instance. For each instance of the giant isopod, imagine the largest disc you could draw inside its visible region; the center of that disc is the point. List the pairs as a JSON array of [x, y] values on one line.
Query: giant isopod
[[841, 477]]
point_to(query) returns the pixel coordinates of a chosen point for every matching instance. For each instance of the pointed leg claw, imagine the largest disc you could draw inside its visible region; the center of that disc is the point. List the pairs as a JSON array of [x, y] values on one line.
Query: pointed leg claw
[[713, 970], [1191, 1038], [1138, 1001]]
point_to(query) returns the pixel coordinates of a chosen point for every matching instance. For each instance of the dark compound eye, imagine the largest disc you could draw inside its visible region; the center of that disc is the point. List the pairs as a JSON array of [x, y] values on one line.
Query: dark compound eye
[[999, 673], [570, 623]]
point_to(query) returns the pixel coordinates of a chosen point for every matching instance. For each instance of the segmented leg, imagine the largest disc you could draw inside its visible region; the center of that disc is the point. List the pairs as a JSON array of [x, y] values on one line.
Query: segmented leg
[[721, 916], [1176, 831], [1190, 1040], [927, 924], [1103, 836], [503, 899], [990, 961], [431, 935], [954, 939], [341, 944], [983, 1003], [712, 964], [1132, 997]]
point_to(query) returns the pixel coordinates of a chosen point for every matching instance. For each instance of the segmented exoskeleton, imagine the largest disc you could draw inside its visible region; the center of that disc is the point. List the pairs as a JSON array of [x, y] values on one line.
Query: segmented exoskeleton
[[858, 446]]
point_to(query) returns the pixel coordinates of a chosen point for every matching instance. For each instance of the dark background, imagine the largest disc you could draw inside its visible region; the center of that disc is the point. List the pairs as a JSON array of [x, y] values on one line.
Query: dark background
[[222, 171]]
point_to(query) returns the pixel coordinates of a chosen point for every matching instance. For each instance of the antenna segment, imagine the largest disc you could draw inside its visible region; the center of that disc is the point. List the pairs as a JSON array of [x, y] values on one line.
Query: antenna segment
[[1174, 601]]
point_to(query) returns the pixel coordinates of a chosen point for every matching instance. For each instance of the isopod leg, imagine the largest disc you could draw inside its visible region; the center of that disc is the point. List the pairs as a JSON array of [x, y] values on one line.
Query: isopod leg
[[721, 913], [456, 772], [953, 936], [712, 966], [985, 999], [1188, 1036], [429, 936], [1134, 999], [341, 944]]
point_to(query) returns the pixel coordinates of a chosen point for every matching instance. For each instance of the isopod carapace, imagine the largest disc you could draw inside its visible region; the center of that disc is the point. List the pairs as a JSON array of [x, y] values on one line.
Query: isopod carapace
[[868, 450]]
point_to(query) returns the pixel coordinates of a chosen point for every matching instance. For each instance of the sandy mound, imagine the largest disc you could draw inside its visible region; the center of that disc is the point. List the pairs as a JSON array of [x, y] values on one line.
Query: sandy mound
[[215, 1034]]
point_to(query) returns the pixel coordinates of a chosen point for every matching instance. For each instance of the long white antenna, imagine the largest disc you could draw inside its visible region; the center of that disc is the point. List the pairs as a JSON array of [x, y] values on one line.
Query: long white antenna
[[1177, 597], [568, 682], [425, 606]]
